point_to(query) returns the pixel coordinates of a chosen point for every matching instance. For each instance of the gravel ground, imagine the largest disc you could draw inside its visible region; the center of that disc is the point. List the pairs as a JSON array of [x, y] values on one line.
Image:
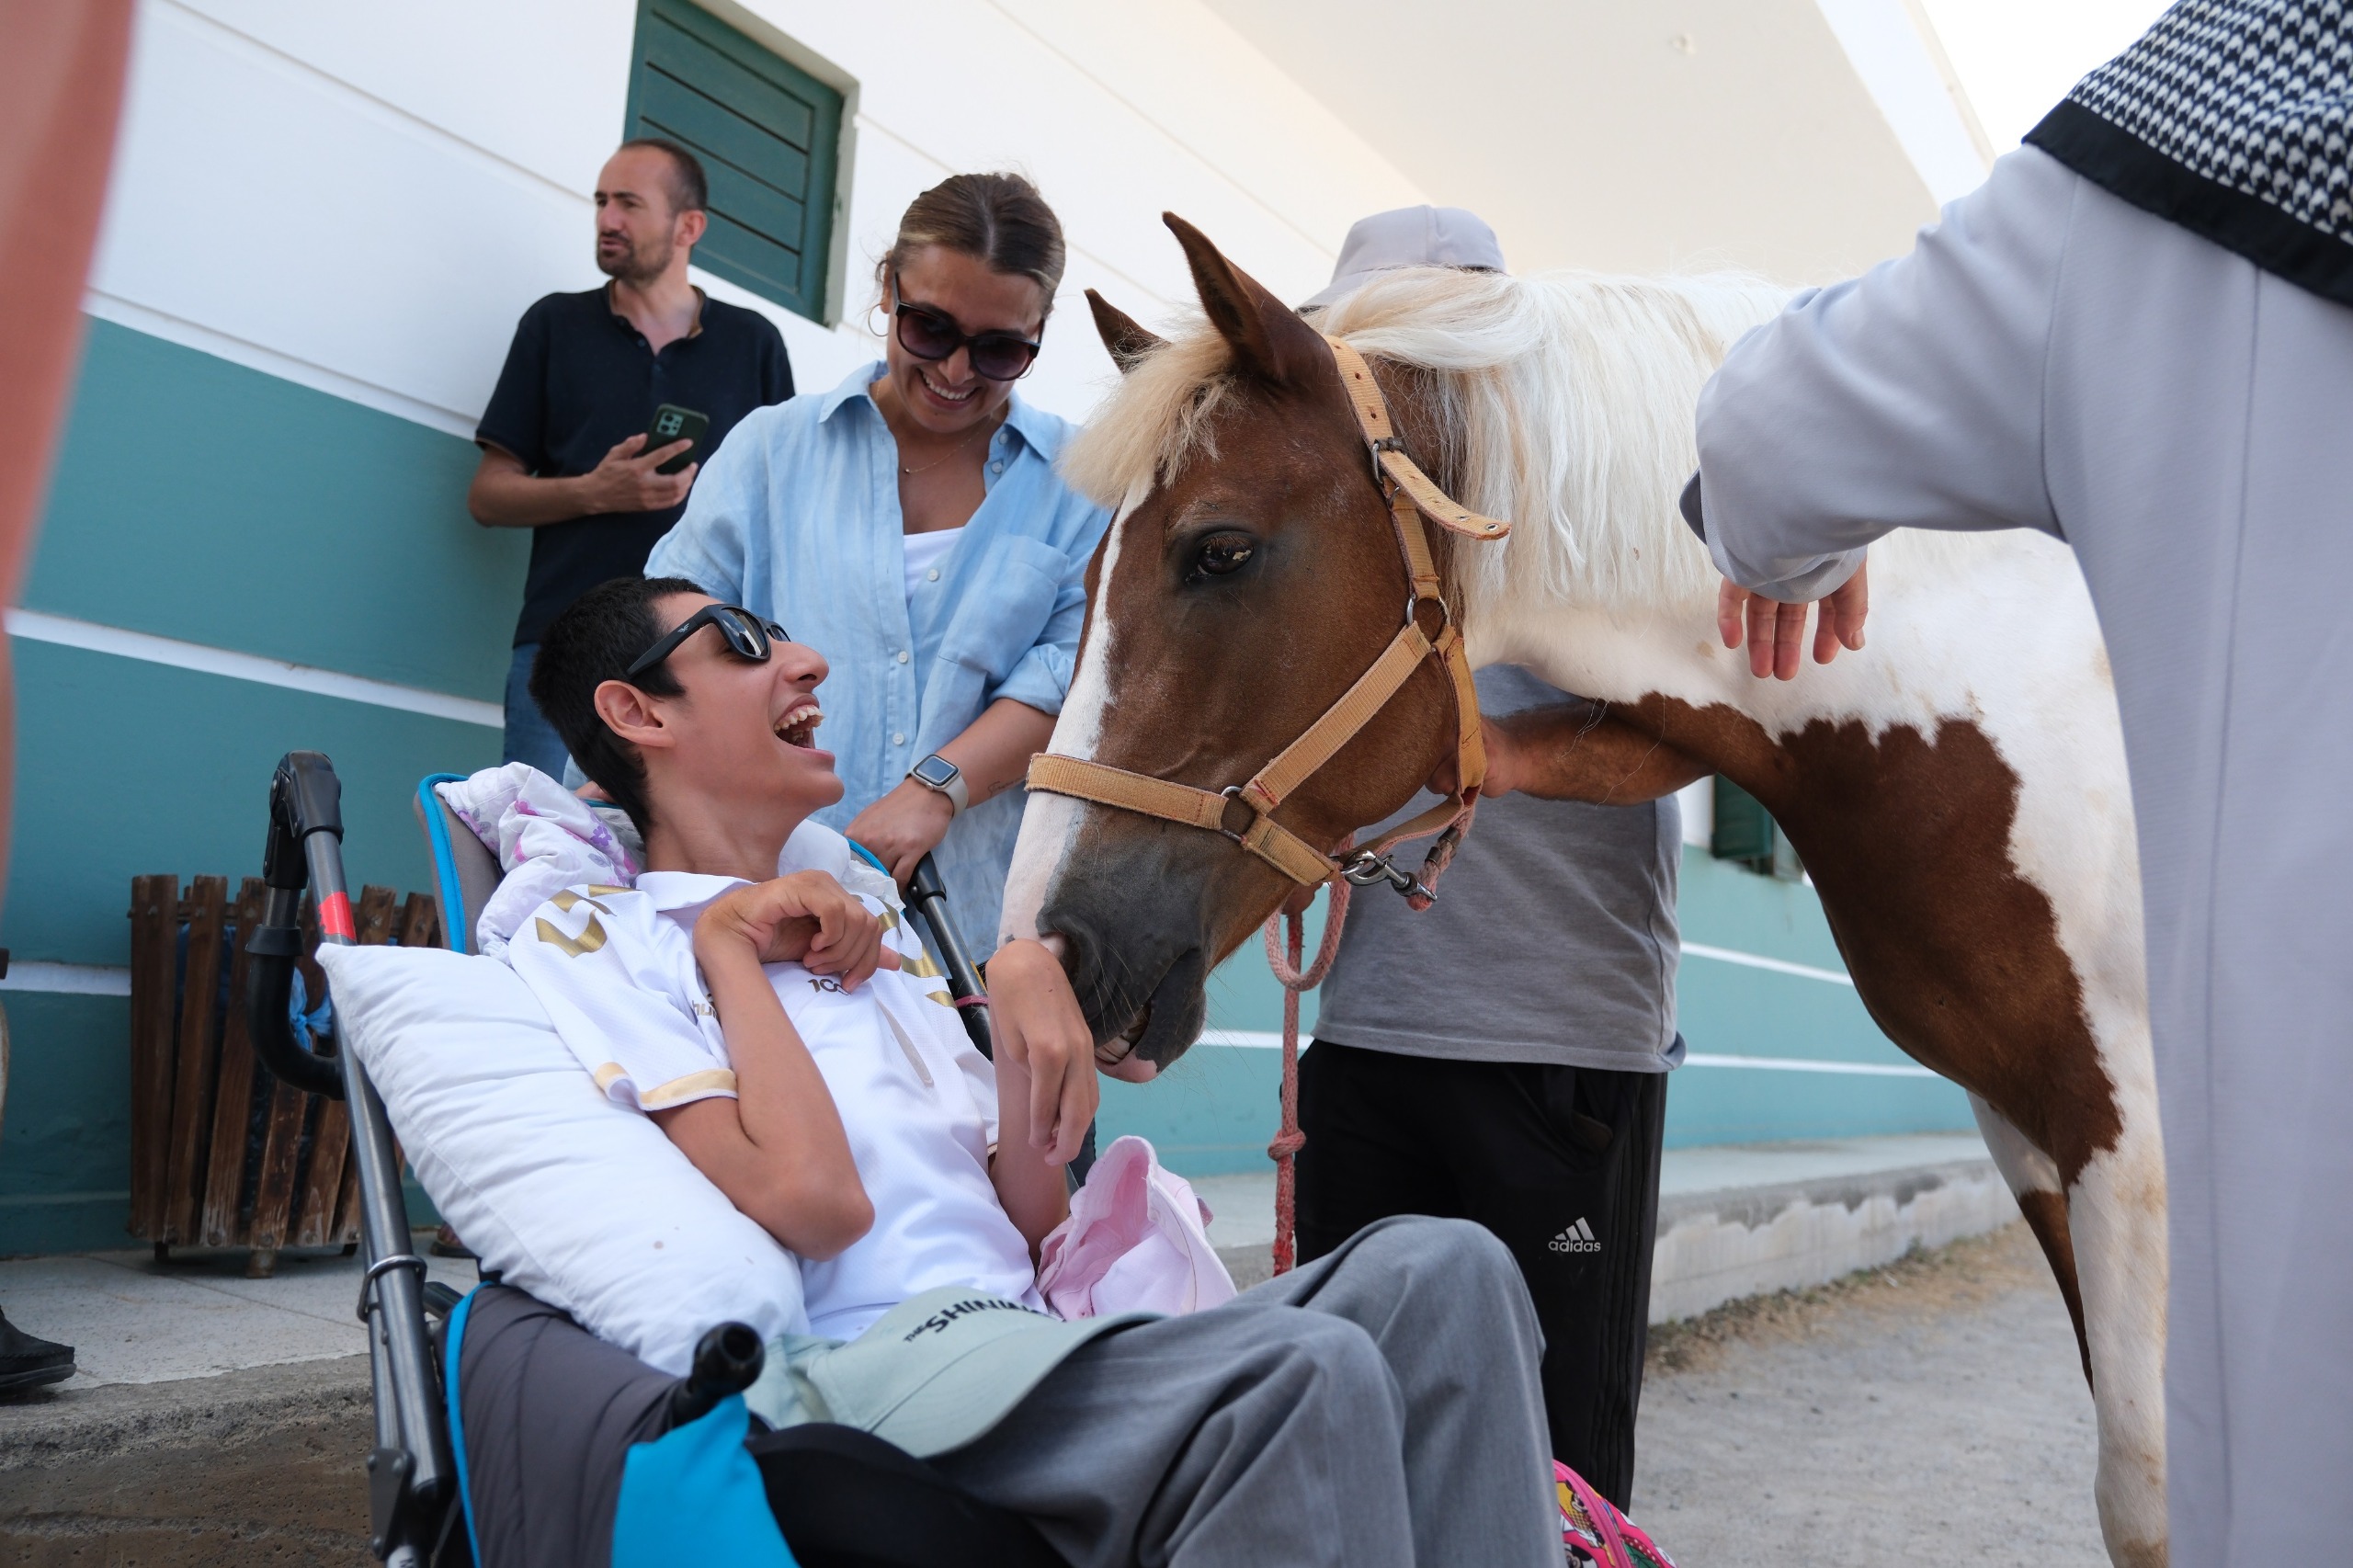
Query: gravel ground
[[1933, 1412]]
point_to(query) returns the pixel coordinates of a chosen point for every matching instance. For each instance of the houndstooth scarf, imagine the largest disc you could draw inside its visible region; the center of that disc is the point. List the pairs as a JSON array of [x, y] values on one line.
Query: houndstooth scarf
[[2234, 118]]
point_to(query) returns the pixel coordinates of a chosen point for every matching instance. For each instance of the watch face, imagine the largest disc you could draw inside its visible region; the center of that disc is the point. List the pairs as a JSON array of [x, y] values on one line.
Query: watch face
[[936, 771]]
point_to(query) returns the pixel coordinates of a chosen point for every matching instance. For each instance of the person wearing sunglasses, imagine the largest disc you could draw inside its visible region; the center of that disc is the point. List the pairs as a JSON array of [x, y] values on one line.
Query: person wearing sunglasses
[[911, 525]]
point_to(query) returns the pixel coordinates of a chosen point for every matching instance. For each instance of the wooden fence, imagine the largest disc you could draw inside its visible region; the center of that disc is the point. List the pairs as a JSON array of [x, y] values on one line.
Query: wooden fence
[[222, 1153]]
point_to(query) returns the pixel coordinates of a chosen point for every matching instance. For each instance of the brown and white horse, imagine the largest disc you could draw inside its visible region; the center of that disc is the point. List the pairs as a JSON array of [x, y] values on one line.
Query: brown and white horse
[[1957, 789]]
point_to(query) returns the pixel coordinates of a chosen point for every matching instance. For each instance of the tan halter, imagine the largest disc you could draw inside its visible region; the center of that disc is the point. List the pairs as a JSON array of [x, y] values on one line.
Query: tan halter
[[1246, 813]]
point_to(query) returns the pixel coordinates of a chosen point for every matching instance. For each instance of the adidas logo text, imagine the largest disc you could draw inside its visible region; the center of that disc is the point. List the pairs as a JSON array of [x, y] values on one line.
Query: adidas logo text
[[1576, 1238]]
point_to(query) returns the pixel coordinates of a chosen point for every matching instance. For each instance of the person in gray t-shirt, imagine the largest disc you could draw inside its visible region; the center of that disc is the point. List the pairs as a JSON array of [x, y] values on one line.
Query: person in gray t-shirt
[[1501, 1057]]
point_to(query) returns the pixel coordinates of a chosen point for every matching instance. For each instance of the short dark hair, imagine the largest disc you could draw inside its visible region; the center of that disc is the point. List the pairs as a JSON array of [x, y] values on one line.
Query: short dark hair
[[595, 641], [689, 188]]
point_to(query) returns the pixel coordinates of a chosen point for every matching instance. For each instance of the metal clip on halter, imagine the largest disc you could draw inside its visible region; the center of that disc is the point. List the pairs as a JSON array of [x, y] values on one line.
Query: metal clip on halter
[[1366, 868]]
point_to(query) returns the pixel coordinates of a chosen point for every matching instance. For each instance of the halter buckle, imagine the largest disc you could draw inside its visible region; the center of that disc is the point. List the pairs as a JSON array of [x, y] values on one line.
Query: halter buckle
[[1365, 868], [1233, 792]]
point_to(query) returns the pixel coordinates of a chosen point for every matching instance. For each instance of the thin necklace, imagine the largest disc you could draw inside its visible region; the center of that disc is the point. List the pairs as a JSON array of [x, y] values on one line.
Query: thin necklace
[[978, 431]]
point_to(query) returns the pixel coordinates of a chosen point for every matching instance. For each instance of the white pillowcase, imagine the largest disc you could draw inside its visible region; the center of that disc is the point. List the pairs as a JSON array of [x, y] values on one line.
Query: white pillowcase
[[580, 1201]]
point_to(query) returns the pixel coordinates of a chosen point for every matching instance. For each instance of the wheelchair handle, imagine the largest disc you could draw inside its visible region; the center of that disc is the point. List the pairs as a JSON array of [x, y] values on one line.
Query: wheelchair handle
[[928, 896], [304, 849], [727, 1361]]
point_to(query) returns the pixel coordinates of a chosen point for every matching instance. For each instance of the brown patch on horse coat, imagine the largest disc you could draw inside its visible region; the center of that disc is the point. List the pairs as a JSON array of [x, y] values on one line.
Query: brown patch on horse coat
[[2046, 1216], [1954, 953]]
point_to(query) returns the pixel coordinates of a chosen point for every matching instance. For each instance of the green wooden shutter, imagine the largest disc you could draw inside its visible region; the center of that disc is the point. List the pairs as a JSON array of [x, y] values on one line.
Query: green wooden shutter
[[1744, 831], [767, 132]]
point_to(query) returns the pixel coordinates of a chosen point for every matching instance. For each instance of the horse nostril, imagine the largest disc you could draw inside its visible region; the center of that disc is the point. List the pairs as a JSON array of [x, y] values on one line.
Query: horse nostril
[[1073, 953]]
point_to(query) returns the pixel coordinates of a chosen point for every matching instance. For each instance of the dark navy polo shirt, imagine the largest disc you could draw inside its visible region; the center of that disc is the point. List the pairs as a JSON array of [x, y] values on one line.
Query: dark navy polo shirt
[[579, 379]]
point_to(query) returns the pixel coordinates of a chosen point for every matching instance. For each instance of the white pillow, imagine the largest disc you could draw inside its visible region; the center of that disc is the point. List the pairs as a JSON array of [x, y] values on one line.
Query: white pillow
[[580, 1201]]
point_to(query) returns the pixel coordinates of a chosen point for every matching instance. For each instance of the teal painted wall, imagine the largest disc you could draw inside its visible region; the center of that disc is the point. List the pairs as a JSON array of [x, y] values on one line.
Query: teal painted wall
[[126, 768], [195, 499]]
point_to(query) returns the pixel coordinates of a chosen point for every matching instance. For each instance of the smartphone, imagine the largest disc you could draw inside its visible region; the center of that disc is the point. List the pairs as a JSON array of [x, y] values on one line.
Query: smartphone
[[672, 423]]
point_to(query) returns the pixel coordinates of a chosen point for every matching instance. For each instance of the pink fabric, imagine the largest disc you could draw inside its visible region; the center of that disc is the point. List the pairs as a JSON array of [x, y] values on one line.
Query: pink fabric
[[1137, 1240]]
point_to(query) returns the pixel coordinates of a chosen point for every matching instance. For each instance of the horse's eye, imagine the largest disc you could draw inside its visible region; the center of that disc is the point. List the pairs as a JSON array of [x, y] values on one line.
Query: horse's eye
[[1221, 554]]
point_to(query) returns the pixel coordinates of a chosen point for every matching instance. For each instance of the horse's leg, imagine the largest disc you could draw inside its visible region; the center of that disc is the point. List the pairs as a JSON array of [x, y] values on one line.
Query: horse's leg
[[2033, 1178], [2116, 1214]]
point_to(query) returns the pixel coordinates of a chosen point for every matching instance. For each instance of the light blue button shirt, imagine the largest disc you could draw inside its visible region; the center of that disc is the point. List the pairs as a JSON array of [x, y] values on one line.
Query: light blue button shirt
[[797, 518]]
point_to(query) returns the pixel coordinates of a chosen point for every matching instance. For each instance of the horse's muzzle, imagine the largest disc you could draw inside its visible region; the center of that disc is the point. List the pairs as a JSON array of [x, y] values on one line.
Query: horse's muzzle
[[1139, 917]]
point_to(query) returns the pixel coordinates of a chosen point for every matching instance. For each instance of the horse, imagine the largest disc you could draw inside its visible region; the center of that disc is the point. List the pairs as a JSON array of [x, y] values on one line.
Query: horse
[[1956, 789]]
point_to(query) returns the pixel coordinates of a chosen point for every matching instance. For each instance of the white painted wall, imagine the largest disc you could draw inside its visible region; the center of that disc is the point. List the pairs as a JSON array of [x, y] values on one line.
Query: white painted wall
[[364, 200]]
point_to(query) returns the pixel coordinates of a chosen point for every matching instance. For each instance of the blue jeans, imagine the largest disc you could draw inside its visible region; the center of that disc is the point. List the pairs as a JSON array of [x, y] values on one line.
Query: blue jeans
[[529, 737]]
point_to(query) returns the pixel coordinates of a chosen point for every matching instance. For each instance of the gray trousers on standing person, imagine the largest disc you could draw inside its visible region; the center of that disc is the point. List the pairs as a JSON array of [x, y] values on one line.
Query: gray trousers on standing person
[[1378, 1408], [2052, 357]]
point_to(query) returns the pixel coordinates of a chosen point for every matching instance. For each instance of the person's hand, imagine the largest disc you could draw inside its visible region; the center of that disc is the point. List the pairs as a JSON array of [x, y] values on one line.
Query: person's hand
[[624, 479], [1776, 631], [1035, 1019], [903, 826], [806, 918]]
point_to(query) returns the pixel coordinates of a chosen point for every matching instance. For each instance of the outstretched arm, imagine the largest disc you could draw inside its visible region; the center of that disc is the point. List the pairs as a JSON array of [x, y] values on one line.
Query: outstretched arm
[[1910, 397], [1579, 750], [1576, 751]]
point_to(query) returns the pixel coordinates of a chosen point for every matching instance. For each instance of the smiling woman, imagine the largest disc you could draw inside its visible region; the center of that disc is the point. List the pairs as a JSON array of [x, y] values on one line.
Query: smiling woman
[[910, 525]]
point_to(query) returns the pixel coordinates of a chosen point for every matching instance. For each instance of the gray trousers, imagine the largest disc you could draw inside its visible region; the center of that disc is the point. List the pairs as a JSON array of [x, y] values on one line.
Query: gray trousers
[[2052, 357], [1378, 1407]]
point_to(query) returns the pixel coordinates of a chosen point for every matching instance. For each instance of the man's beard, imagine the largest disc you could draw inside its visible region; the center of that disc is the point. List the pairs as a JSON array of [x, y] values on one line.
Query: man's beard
[[638, 264]]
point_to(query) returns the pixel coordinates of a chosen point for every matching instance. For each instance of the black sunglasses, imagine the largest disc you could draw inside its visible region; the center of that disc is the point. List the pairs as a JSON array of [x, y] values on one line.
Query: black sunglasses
[[930, 334], [749, 637]]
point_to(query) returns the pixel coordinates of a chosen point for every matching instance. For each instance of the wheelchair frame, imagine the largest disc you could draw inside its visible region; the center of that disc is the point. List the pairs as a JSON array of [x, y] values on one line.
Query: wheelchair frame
[[413, 1485]]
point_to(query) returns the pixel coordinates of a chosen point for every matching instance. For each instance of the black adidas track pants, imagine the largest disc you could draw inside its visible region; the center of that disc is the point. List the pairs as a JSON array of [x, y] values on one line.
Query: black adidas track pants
[[1561, 1162]]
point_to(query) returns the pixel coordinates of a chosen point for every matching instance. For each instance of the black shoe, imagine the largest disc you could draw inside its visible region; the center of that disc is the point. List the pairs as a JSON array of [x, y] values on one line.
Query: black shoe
[[28, 1363]]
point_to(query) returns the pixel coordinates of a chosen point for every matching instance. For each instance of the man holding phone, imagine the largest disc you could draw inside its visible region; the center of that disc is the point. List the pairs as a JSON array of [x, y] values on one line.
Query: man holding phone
[[609, 403]]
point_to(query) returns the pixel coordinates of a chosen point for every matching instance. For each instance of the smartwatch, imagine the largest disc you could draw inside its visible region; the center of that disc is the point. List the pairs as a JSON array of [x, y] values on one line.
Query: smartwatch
[[935, 772]]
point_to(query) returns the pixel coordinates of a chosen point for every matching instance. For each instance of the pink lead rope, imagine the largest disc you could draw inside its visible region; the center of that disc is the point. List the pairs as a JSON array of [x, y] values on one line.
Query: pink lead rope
[[1285, 961], [1283, 956]]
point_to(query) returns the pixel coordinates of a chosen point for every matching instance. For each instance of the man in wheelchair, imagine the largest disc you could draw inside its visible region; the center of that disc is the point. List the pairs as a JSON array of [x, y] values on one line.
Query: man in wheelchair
[[1380, 1406]]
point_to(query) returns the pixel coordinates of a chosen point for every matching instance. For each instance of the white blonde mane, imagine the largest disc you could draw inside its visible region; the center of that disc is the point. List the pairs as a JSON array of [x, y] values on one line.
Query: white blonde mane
[[1567, 399]]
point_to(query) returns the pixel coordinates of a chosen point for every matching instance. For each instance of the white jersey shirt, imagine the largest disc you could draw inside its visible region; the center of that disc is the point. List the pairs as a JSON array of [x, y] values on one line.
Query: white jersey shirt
[[615, 969]]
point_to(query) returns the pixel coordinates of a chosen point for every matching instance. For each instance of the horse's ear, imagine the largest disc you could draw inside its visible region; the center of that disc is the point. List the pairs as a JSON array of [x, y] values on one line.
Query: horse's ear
[[1267, 337], [1127, 338]]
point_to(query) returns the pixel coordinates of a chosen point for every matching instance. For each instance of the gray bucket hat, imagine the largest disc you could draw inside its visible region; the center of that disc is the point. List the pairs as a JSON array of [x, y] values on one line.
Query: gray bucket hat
[[934, 1373], [1411, 236]]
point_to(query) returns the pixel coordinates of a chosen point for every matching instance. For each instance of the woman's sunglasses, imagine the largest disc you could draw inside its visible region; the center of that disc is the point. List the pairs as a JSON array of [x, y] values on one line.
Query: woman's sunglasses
[[749, 637], [933, 335]]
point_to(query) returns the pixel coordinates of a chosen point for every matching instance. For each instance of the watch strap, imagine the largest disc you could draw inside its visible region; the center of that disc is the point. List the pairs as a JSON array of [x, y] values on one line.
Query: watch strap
[[959, 797]]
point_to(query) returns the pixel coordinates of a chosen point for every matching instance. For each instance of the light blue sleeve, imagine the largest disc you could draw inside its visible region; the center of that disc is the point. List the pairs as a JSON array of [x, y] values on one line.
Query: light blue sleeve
[[709, 545], [1041, 678]]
